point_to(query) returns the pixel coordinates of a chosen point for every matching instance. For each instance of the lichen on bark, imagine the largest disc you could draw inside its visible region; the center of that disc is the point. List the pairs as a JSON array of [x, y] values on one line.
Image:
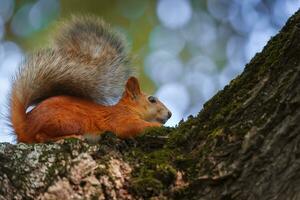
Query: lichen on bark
[[244, 144]]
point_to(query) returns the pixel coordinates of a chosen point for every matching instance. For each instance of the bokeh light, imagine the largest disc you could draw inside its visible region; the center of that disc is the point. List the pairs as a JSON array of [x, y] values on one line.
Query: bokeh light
[[6, 9], [174, 13]]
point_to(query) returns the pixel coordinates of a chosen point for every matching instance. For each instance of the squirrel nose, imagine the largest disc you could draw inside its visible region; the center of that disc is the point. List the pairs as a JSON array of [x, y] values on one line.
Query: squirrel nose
[[169, 114]]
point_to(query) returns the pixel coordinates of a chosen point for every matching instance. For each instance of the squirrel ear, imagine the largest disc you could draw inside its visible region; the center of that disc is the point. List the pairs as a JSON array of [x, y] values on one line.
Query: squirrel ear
[[133, 87]]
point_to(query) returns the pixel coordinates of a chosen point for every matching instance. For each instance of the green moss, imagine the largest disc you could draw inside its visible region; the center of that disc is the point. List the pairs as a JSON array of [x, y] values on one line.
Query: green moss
[[153, 138], [156, 131], [155, 174], [155, 171], [166, 174], [217, 132], [183, 162], [157, 157], [146, 186]]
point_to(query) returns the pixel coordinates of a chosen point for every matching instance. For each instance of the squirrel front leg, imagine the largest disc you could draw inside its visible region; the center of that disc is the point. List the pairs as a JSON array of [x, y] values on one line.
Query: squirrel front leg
[[131, 129]]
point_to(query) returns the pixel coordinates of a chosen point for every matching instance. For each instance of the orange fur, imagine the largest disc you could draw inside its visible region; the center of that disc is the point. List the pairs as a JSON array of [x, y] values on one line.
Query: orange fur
[[18, 117], [66, 116]]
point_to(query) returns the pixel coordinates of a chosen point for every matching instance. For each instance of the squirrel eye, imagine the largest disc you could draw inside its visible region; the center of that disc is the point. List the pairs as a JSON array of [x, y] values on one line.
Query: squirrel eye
[[152, 99]]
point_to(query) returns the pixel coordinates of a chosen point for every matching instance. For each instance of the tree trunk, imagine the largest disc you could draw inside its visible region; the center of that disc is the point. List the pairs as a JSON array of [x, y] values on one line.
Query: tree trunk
[[244, 144]]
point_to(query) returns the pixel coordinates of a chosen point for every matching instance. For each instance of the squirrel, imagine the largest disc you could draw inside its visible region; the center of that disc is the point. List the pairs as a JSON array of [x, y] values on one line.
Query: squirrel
[[73, 84]]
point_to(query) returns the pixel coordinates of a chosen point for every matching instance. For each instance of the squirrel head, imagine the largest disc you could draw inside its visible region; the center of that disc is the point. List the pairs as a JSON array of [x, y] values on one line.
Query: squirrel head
[[148, 107]]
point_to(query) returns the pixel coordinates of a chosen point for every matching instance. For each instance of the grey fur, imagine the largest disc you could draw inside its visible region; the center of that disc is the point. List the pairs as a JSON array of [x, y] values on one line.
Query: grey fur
[[88, 60]]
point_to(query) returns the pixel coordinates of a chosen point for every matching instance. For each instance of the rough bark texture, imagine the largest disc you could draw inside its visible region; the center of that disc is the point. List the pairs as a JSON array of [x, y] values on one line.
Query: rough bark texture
[[244, 144]]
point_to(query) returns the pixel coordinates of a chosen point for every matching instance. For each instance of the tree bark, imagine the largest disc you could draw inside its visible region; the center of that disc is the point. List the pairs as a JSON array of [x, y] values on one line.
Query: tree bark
[[244, 144]]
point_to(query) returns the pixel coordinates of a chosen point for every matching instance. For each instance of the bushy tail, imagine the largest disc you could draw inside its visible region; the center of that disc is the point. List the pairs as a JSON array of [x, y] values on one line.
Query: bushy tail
[[88, 60], [18, 116], [94, 43]]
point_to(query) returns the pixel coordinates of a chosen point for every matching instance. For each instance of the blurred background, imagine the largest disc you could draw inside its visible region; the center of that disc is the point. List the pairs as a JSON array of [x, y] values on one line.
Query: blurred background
[[185, 50]]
